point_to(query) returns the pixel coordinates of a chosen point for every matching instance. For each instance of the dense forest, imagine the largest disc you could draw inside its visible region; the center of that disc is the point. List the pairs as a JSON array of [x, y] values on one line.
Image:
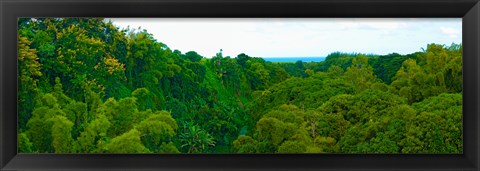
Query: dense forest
[[86, 86]]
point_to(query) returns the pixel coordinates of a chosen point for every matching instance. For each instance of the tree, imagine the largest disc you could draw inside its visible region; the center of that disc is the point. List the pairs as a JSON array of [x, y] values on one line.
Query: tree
[[143, 99], [274, 131], [123, 115], [311, 119], [193, 56], [335, 71], [128, 142], [94, 134], [86, 86], [244, 144], [438, 125], [62, 139], [333, 121], [360, 73], [24, 144], [242, 59], [29, 71], [195, 140], [309, 72], [39, 128], [78, 114], [292, 147], [158, 130]]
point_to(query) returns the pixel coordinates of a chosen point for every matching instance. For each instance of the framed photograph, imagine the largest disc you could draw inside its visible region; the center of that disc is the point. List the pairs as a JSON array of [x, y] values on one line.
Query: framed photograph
[[239, 85]]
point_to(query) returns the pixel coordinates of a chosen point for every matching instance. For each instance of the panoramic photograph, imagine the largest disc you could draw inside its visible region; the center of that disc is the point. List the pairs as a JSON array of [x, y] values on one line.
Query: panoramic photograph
[[239, 85]]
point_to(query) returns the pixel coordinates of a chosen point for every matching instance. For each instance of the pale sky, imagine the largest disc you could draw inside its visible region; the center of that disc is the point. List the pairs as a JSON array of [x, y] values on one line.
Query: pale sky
[[294, 37]]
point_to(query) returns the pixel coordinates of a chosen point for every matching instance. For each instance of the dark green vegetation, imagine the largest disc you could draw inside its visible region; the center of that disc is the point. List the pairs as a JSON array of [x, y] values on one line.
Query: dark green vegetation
[[87, 87]]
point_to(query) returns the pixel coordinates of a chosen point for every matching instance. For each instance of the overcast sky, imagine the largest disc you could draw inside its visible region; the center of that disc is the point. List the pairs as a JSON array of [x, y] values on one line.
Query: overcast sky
[[261, 37]]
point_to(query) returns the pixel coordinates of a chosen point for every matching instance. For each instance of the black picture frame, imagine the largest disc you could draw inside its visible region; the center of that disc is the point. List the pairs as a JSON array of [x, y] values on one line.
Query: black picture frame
[[469, 10]]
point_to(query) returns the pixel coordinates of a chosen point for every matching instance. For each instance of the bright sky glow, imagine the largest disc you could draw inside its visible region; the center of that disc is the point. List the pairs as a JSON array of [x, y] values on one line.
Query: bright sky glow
[[293, 37]]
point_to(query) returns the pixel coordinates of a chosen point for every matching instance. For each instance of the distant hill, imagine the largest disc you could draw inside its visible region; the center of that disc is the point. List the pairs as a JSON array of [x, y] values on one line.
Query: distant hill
[[294, 59]]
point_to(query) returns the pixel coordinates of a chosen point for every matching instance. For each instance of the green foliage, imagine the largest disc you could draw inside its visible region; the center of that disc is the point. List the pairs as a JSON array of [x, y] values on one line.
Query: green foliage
[[94, 133], [24, 144], [39, 127], [386, 66], [28, 74], [123, 116], [244, 144], [436, 71], [158, 130], [193, 56], [292, 147], [61, 134], [168, 148], [128, 142], [78, 114], [274, 131], [144, 99], [360, 74], [195, 140], [85, 86], [438, 125]]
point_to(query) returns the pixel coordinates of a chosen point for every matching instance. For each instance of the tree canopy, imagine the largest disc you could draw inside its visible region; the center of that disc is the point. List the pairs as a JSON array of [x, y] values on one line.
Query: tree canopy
[[86, 86]]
